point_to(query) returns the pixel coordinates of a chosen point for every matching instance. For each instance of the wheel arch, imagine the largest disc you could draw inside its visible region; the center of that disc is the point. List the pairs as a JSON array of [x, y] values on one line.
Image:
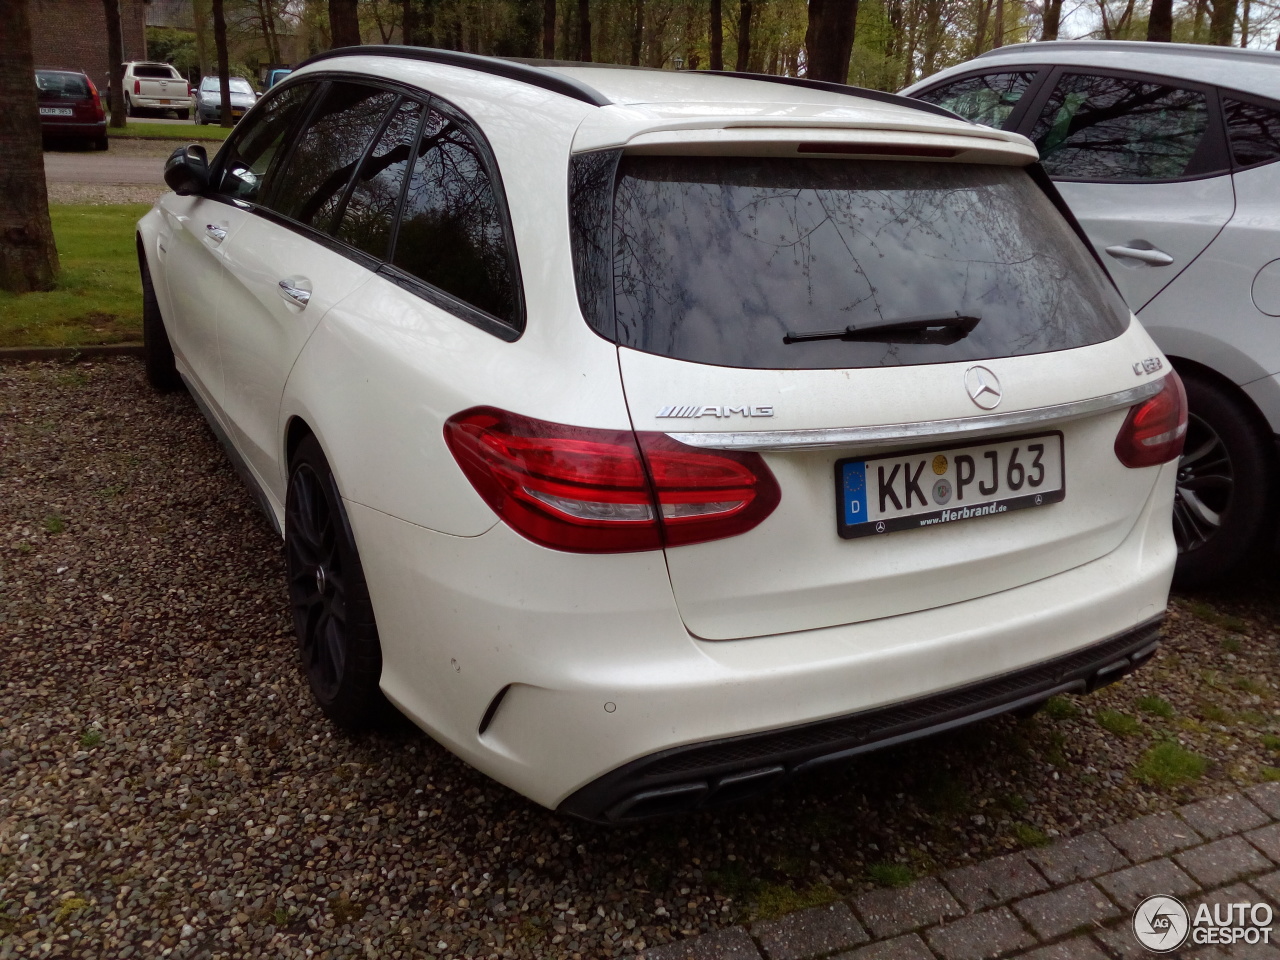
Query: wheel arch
[[1192, 368]]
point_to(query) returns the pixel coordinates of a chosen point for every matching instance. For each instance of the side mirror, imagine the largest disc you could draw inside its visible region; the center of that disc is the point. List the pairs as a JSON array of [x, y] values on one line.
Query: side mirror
[[187, 170]]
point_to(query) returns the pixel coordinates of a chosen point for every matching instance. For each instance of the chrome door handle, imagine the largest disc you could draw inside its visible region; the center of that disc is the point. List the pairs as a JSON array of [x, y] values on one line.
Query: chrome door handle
[[290, 290], [215, 233], [1155, 258]]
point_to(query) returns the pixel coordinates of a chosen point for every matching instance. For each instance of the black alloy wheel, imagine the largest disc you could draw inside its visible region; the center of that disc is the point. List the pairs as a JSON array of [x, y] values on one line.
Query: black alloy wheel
[[1223, 501], [332, 613], [1205, 482]]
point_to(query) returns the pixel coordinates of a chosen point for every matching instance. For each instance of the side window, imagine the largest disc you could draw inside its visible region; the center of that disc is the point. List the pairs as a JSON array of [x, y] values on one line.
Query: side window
[[1118, 128], [451, 231], [987, 99], [1254, 132], [370, 212], [257, 142], [315, 175]]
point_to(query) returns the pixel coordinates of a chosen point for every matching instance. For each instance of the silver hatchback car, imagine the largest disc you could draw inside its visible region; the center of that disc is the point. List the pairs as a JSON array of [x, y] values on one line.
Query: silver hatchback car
[[1166, 154]]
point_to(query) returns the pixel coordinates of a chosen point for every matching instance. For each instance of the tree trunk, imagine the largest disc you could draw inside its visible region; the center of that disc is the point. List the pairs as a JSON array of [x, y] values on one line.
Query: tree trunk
[[744, 36], [1244, 25], [1160, 26], [1053, 17], [28, 257], [1222, 22], [828, 41], [717, 37], [637, 34], [224, 67], [344, 23], [548, 29], [997, 39], [584, 30], [1197, 25], [409, 23], [115, 61], [980, 34]]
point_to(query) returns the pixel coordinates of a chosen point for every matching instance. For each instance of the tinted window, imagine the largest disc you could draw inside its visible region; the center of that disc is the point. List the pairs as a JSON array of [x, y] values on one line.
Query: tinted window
[[1115, 128], [723, 260], [371, 209], [451, 233], [59, 86], [315, 175], [1254, 131], [153, 71], [988, 99], [257, 142]]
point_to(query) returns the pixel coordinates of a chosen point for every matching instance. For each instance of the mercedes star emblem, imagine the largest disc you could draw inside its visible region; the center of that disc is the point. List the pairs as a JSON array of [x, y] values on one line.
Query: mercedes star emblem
[[983, 387]]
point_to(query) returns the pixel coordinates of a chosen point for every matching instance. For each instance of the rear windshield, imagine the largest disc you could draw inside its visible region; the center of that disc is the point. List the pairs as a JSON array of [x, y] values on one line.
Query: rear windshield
[[58, 86], [768, 262], [234, 84], [154, 71]]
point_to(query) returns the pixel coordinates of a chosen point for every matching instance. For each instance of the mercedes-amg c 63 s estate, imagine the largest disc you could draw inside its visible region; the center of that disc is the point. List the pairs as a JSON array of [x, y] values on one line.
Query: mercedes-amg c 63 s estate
[[650, 437]]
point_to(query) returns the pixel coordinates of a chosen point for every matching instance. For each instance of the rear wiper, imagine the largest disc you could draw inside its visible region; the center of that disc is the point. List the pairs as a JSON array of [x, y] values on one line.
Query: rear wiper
[[934, 330]]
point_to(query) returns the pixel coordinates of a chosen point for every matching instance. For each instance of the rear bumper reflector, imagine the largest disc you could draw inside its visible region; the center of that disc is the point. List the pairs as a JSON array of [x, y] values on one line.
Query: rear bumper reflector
[[706, 774]]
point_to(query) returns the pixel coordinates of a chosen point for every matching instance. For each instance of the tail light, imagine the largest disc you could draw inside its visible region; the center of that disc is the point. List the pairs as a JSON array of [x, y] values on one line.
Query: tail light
[[137, 86], [1155, 429], [188, 89], [607, 491], [98, 112]]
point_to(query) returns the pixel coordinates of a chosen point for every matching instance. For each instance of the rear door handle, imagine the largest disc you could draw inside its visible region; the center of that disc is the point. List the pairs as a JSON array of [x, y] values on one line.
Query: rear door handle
[[215, 233], [296, 290], [1153, 257]]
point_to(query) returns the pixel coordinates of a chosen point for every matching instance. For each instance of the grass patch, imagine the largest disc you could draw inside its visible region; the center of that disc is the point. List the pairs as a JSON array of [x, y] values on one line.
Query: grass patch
[[1030, 836], [1270, 774], [1203, 611], [54, 524], [168, 131], [775, 899], [90, 738], [1121, 724], [68, 908], [1156, 706], [1060, 708], [1169, 765], [891, 874], [1271, 741], [345, 910], [98, 298]]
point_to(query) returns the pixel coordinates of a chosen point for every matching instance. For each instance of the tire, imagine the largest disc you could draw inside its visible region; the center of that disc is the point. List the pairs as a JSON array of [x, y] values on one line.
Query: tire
[[157, 352], [102, 143], [1225, 496], [338, 649], [128, 107]]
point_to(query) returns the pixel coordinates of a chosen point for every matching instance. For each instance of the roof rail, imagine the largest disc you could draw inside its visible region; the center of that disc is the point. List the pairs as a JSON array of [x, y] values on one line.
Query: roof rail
[[534, 76], [1140, 46], [847, 89]]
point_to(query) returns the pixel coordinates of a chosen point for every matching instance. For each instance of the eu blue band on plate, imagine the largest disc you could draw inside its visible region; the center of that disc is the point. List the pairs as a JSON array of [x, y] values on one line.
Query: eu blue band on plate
[[855, 493]]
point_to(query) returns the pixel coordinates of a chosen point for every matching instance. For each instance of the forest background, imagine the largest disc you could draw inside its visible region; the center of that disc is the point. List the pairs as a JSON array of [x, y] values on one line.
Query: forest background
[[883, 44]]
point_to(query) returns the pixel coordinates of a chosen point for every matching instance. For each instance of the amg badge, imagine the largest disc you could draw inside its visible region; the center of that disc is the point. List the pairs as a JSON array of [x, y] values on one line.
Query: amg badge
[[686, 412]]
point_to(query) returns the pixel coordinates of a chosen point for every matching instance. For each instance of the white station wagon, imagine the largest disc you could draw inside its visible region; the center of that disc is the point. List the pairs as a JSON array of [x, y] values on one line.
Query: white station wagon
[[649, 437]]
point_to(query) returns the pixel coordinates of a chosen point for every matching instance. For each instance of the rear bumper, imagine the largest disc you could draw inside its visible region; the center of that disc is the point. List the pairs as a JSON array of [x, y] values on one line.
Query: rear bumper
[[158, 103], [565, 676], [721, 771], [70, 128]]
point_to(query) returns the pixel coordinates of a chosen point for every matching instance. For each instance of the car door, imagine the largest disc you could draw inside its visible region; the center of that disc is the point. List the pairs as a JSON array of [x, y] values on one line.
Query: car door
[[198, 230], [1143, 164], [285, 270]]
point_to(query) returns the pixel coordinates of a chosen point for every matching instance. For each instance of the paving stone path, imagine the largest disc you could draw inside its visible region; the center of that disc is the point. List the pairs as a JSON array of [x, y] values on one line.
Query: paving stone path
[[1070, 901]]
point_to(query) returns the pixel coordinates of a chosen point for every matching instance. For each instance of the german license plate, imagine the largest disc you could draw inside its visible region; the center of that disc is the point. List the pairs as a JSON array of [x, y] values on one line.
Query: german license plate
[[55, 112], [923, 488]]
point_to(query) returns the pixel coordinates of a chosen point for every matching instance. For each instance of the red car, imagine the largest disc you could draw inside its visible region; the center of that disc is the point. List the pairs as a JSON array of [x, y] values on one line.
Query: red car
[[70, 108]]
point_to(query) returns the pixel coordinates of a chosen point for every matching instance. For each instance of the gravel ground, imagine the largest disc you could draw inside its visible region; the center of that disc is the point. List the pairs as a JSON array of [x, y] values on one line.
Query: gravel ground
[[76, 175], [170, 791]]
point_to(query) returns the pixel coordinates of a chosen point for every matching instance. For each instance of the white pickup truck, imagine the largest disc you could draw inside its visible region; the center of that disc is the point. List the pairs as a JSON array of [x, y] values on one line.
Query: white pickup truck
[[155, 86]]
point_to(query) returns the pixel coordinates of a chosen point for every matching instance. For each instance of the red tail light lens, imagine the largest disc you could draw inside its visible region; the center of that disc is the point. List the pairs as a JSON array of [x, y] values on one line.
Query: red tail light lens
[[1155, 429], [98, 112], [594, 491], [137, 86]]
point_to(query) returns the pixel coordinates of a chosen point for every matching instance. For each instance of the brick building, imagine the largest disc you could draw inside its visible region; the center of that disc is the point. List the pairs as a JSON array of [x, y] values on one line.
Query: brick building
[[72, 35]]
